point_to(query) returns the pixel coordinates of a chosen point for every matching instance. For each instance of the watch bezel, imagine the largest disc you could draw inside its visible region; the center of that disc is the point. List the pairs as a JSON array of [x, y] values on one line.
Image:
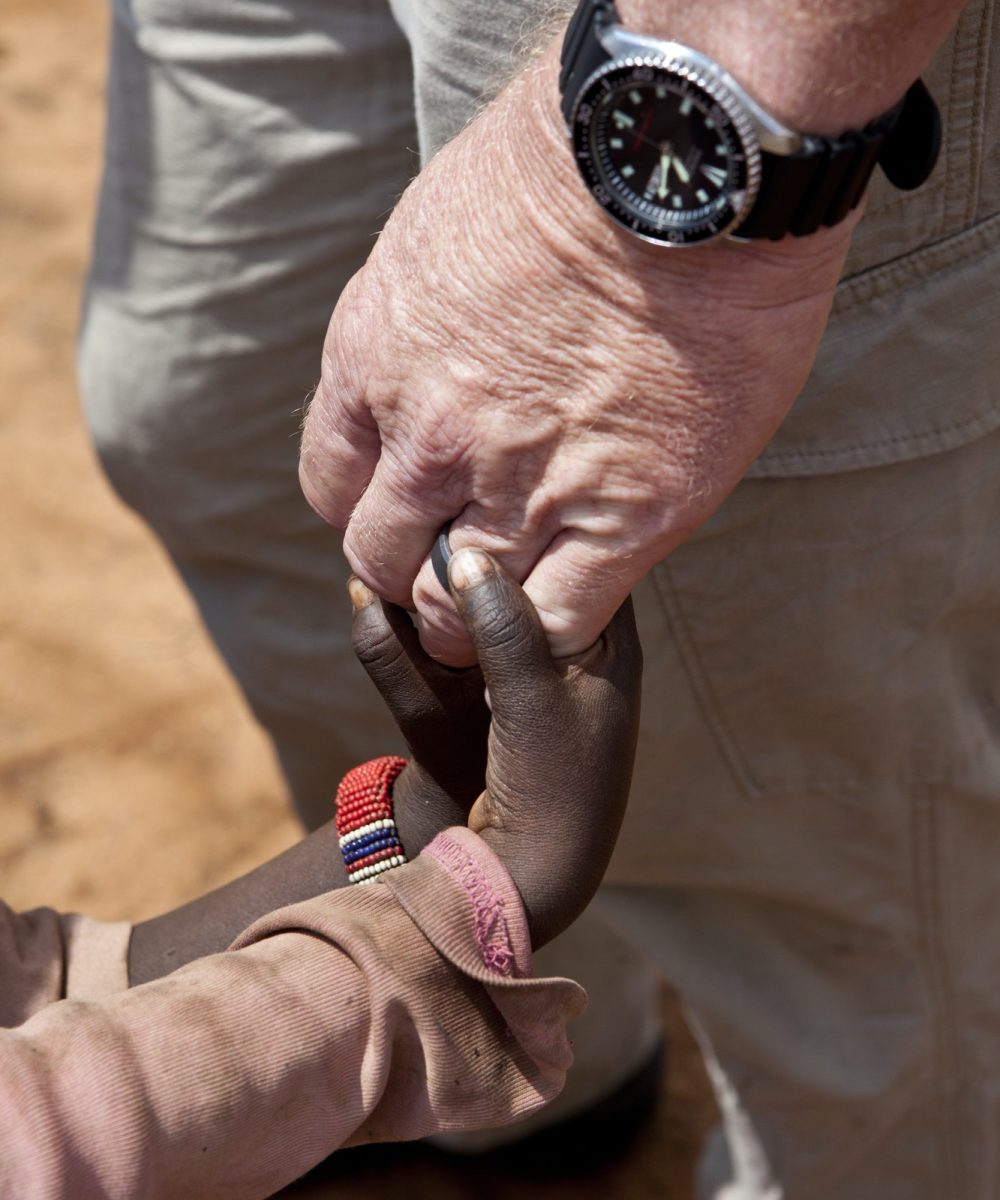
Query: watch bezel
[[691, 73]]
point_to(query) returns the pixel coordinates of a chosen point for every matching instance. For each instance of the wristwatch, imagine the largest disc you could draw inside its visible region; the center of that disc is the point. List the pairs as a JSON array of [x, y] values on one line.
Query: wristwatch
[[676, 151]]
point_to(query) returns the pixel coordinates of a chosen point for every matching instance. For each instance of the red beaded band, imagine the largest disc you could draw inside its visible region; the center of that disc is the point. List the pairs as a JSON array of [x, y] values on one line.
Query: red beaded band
[[369, 839]]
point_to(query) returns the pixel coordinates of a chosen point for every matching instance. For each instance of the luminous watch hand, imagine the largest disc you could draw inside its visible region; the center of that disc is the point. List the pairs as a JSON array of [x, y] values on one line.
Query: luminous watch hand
[[682, 172], [662, 191]]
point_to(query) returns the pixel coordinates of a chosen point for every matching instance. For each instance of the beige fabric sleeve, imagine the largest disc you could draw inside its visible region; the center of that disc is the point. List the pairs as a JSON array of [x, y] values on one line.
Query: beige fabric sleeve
[[336, 1020], [45, 956], [31, 962], [96, 956]]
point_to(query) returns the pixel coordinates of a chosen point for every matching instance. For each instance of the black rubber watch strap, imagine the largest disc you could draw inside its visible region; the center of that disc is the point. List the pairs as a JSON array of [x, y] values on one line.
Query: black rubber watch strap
[[911, 150], [821, 183], [582, 52]]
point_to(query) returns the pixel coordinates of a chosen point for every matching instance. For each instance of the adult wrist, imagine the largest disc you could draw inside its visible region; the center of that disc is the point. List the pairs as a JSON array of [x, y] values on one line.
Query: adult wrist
[[572, 226], [819, 68], [799, 181]]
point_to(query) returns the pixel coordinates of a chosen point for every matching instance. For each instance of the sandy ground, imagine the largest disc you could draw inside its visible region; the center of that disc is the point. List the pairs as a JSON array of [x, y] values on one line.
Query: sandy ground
[[131, 775]]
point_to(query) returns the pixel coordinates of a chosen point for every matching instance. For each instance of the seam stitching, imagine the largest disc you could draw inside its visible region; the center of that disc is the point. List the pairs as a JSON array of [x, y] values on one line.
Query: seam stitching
[[877, 281], [988, 419], [979, 104], [491, 932], [930, 913], [958, 55], [704, 693]]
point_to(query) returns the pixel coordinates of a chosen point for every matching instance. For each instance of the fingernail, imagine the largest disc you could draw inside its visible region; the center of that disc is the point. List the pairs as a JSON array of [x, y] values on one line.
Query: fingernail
[[361, 595], [469, 567]]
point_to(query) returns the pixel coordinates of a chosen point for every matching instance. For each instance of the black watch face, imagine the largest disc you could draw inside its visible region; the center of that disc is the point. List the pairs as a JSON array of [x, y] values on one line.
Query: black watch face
[[662, 155]]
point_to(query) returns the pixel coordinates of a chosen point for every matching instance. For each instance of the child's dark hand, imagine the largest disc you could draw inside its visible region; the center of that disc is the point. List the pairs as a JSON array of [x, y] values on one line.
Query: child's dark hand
[[561, 743], [560, 746], [560, 755]]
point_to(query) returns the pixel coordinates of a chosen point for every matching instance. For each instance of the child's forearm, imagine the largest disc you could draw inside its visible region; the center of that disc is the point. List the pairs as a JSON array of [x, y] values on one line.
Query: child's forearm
[[245, 1069], [309, 868]]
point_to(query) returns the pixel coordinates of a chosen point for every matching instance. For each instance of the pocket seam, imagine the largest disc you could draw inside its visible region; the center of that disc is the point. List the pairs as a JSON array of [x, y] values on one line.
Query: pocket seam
[[701, 686]]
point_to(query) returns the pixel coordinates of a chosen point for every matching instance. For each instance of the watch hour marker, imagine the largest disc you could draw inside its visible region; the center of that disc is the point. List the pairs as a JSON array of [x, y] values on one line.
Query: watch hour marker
[[686, 105], [616, 143], [702, 196], [622, 120], [677, 201], [635, 97], [661, 91], [715, 174], [722, 151], [709, 123], [628, 170]]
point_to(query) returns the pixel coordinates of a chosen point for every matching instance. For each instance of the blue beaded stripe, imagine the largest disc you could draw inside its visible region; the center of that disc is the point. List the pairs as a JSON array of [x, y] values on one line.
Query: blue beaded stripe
[[367, 834], [372, 827], [369, 845], [387, 829]]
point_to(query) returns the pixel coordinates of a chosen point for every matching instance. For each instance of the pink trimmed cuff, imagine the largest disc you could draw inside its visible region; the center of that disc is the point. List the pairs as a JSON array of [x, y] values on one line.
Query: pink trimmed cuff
[[501, 930]]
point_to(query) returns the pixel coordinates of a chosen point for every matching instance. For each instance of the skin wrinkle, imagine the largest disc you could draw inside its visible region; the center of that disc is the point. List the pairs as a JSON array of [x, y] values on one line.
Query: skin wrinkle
[[325, 431], [621, 547], [430, 453], [579, 583], [525, 459], [418, 469], [488, 281], [607, 416], [547, 503], [533, 310], [492, 287]]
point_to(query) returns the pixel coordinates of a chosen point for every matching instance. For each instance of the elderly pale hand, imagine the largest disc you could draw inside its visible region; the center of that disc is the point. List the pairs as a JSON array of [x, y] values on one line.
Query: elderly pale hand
[[573, 400]]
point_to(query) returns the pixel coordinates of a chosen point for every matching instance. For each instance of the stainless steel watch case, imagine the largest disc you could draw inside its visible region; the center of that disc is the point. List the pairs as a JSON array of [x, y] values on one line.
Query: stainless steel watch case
[[756, 128]]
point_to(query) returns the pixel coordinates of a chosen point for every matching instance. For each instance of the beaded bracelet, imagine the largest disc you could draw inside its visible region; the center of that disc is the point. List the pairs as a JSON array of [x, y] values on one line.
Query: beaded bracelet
[[369, 839]]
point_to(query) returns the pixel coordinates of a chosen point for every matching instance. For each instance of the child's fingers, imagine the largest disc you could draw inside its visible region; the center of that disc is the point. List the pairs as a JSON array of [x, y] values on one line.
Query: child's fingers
[[441, 713], [384, 642], [388, 647], [508, 637]]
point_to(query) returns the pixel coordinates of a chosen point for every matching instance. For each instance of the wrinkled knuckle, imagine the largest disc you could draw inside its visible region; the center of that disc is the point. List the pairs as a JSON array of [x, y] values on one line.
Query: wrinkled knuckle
[[499, 628], [429, 453], [375, 645], [338, 375]]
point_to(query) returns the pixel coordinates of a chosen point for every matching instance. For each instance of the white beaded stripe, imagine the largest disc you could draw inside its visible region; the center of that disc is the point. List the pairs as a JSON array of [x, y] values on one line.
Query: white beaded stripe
[[384, 823], [377, 868]]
